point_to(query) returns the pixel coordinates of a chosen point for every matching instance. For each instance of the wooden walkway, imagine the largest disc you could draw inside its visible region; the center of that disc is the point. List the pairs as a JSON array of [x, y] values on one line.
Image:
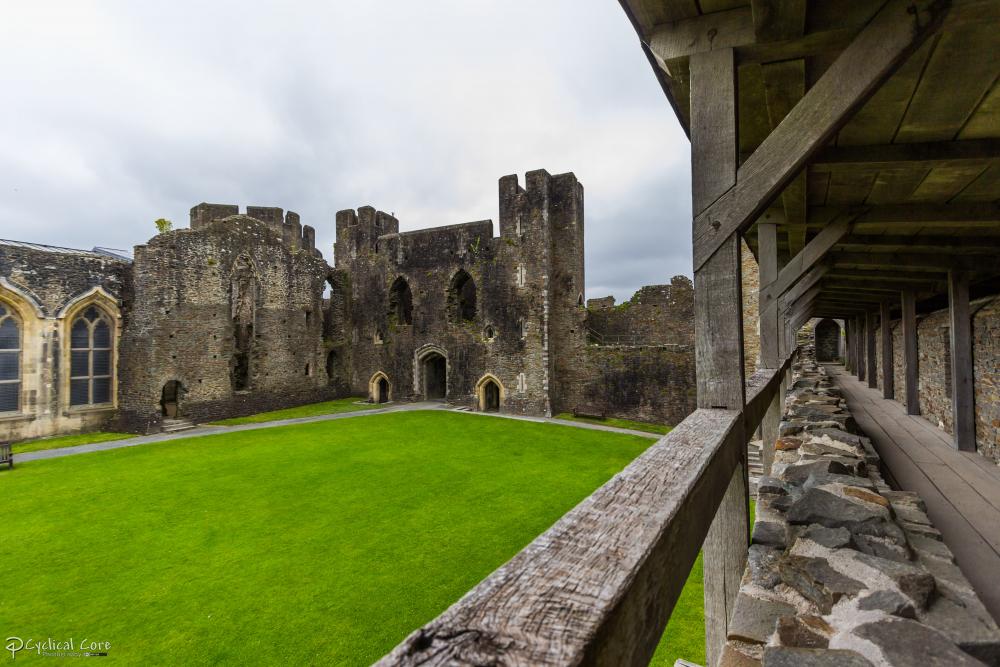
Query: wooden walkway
[[961, 489]]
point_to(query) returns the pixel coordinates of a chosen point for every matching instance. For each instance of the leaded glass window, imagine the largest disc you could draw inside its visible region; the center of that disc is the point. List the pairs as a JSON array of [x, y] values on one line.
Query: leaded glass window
[[10, 360], [91, 343]]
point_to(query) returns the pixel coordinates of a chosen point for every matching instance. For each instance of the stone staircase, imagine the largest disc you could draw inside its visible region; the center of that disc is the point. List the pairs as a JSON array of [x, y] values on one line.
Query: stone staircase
[[175, 425], [754, 466]]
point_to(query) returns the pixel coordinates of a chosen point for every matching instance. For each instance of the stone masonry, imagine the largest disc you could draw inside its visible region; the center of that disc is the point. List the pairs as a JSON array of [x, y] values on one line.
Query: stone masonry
[[842, 569]]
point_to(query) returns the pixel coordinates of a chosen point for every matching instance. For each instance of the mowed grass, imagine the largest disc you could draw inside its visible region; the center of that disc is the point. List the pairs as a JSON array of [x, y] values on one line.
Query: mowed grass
[[321, 543], [59, 442], [645, 427], [336, 406]]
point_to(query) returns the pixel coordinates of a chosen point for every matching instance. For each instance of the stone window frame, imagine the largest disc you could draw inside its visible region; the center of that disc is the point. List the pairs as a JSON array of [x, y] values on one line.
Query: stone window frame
[[489, 333], [108, 304], [373, 386], [9, 312], [32, 322]]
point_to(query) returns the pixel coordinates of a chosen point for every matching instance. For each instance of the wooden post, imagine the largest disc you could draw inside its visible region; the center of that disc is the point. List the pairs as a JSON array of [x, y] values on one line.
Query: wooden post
[[962, 406], [862, 337], [888, 371], [911, 361], [770, 335], [849, 343], [870, 350], [719, 328]]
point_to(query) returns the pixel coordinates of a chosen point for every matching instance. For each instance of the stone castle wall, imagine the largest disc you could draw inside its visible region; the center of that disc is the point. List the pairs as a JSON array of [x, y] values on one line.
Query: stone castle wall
[[934, 376], [179, 314]]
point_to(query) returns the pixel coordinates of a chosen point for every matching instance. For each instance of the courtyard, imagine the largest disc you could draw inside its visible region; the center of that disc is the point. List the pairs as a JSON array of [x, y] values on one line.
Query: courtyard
[[207, 549]]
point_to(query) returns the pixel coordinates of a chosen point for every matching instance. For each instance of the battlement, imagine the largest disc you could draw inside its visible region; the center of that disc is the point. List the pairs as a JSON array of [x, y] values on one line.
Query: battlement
[[287, 226]]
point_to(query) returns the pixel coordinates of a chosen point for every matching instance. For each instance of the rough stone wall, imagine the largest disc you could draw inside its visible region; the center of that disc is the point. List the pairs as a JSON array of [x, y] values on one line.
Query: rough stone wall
[[180, 311], [750, 286], [827, 340], [898, 367], [986, 378], [934, 378], [41, 282], [841, 569], [644, 383], [520, 289], [655, 315]]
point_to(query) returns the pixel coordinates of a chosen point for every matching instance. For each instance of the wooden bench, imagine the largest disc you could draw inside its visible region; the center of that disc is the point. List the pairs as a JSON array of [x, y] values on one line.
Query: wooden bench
[[6, 456], [589, 412]]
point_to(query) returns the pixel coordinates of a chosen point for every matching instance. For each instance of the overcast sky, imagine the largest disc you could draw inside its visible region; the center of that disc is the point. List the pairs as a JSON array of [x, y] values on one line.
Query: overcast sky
[[118, 113]]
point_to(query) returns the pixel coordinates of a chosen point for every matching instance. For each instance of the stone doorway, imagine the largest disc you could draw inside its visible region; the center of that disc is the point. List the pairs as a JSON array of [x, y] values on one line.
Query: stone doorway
[[827, 333], [170, 398], [435, 375], [382, 391], [489, 393]]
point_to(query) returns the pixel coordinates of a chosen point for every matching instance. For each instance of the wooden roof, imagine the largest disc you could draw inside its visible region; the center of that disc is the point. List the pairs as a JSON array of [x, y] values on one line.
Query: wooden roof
[[914, 173]]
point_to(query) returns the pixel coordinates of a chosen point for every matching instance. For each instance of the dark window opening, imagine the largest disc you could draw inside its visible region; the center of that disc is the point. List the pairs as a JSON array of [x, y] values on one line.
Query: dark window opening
[[331, 366], [243, 307], [489, 333], [308, 370], [400, 302], [462, 298]]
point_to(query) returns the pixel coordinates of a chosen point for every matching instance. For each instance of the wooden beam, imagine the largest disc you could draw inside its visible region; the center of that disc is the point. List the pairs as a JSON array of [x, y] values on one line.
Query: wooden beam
[[962, 396], [916, 155], [928, 215], [719, 329], [888, 368], [807, 259], [930, 261], [877, 285], [952, 245], [895, 31], [862, 347], [814, 275], [911, 362], [916, 278], [870, 350], [849, 339]]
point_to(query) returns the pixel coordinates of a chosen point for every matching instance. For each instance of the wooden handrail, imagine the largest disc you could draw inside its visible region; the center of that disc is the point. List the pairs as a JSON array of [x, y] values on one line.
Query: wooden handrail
[[761, 389], [598, 586]]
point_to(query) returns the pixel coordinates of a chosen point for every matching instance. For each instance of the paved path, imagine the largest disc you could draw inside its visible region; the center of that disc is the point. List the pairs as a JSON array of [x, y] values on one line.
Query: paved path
[[211, 430], [961, 489]]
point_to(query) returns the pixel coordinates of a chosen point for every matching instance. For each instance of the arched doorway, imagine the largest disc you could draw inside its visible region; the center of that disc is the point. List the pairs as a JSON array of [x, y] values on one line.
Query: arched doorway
[[827, 340], [379, 388], [170, 398], [332, 364], [435, 373], [489, 393]]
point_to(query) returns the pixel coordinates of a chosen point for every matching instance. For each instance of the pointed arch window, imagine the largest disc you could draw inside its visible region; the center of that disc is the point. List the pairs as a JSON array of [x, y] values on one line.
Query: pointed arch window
[[10, 360], [91, 345], [401, 302], [462, 298]]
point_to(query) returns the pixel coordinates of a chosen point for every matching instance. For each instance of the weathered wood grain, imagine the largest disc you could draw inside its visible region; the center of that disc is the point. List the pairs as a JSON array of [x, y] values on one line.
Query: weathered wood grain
[[915, 155], [898, 28], [810, 256], [598, 587], [888, 372], [870, 358], [911, 361], [962, 396]]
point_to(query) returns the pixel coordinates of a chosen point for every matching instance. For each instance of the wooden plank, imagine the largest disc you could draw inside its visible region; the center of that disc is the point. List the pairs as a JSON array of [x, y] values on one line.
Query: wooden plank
[[955, 80], [808, 282], [898, 28], [944, 183], [719, 329], [916, 155], [888, 371], [911, 260], [645, 14], [986, 118], [849, 188], [926, 215], [893, 186], [599, 585], [962, 392], [811, 255], [713, 126], [698, 34], [777, 20], [986, 187]]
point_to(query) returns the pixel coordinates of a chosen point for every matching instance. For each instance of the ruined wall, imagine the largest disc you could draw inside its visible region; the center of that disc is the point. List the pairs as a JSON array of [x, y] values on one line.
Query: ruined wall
[[526, 302], [644, 383], [933, 350], [986, 378], [655, 315], [45, 287], [232, 310], [827, 340]]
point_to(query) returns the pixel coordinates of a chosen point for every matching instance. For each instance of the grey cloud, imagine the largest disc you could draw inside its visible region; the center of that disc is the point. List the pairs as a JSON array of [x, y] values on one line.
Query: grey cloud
[[123, 112]]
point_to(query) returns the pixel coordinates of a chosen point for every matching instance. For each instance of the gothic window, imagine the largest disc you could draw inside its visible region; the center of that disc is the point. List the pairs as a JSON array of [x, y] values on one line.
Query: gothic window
[[489, 333], [10, 361], [91, 342], [400, 302], [462, 298]]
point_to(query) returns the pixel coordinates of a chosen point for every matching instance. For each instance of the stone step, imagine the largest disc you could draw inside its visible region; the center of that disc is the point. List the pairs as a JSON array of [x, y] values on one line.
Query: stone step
[[174, 425]]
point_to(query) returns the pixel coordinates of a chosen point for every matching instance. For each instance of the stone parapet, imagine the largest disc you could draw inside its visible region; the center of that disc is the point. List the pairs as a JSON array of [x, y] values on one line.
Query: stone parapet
[[842, 569]]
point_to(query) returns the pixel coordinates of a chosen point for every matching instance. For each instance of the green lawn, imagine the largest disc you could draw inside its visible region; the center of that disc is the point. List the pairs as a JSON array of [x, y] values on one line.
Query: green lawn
[[321, 543], [309, 410], [67, 441], [619, 423]]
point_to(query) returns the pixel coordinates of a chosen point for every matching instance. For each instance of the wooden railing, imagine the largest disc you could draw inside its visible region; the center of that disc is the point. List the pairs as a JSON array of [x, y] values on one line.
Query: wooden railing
[[598, 587]]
